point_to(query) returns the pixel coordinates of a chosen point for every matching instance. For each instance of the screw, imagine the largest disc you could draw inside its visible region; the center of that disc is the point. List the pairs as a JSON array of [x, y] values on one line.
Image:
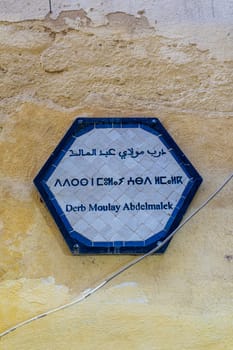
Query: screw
[[76, 248]]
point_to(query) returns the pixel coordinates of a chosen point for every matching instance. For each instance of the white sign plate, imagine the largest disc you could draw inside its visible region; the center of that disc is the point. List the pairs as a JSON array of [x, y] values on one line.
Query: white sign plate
[[117, 185]]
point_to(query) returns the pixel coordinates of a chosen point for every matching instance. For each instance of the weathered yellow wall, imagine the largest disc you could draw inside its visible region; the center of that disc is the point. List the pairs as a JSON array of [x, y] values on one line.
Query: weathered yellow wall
[[50, 72]]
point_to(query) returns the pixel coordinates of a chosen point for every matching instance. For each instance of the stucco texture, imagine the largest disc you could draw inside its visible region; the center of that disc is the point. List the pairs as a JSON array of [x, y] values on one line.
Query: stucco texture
[[54, 69]]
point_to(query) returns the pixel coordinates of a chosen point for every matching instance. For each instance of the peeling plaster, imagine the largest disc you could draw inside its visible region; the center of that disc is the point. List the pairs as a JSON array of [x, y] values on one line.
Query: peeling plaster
[[157, 11], [205, 23]]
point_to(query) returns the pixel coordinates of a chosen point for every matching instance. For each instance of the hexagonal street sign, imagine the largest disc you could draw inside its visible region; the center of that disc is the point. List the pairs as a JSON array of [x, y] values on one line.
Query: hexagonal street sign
[[117, 185]]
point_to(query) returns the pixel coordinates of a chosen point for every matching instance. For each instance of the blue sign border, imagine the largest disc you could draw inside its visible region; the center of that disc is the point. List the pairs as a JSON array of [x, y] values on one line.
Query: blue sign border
[[78, 243]]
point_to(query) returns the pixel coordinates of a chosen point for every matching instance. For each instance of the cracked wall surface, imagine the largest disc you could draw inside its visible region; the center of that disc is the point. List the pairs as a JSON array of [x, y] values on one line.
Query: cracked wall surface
[[173, 61]]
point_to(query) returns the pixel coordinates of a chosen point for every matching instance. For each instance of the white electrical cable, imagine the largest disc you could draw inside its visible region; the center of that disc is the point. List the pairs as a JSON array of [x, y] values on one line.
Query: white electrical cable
[[121, 270]]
